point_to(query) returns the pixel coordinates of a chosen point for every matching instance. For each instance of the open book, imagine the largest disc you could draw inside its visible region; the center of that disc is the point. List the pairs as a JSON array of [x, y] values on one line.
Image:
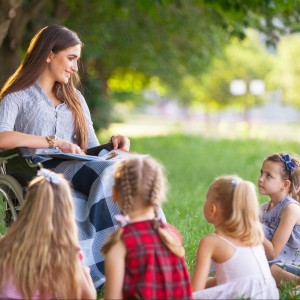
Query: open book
[[112, 155]]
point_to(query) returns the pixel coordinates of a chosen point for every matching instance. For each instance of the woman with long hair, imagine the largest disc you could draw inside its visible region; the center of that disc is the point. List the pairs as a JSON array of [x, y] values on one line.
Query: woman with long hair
[[41, 108]]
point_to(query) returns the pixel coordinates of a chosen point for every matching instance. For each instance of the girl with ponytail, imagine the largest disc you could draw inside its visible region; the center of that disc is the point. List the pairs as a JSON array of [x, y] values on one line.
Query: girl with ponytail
[[235, 248], [144, 257]]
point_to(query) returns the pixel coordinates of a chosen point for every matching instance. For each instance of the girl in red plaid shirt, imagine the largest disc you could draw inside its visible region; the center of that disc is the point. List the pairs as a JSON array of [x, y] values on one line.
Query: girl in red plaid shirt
[[144, 258]]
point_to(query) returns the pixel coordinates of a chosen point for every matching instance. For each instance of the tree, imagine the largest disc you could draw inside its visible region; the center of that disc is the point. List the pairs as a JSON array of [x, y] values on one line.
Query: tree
[[286, 72], [246, 60], [169, 39]]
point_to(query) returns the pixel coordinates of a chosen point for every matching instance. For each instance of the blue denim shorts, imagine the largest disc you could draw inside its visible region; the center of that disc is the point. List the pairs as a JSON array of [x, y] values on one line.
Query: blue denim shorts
[[289, 268]]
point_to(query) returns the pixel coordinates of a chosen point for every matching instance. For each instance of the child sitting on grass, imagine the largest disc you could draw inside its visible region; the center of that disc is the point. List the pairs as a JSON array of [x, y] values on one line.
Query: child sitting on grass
[[235, 247], [40, 254], [280, 215], [144, 258]]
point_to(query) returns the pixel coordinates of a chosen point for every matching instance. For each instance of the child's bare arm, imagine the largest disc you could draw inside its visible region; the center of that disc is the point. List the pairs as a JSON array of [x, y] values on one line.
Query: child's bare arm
[[203, 259], [289, 218], [88, 289], [211, 281], [115, 271]]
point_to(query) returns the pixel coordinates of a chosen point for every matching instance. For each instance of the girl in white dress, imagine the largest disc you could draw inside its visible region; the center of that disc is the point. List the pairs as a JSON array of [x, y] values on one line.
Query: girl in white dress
[[235, 247]]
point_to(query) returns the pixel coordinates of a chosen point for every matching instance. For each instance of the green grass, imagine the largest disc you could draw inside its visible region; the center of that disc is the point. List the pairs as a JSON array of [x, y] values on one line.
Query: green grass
[[191, 164]]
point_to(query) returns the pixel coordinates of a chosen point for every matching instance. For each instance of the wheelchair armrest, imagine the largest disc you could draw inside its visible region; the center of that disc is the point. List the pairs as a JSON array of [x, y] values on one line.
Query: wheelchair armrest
[[19, 151], [6, 153], [25, 152]]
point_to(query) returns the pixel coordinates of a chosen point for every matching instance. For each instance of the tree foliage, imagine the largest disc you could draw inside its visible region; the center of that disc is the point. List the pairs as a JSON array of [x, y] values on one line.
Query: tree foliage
[[286, 73], [169, 39], [246, 60]]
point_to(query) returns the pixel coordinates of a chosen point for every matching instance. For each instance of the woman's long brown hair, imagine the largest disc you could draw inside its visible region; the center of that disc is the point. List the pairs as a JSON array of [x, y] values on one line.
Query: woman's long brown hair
[[53, 38]]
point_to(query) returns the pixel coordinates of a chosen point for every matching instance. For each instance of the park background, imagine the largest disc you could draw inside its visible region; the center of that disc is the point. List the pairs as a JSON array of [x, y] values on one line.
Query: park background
[[207, 87]]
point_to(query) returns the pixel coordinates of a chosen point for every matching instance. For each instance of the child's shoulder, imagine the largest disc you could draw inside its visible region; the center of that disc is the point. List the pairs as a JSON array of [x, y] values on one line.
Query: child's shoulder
[[174, 231], [211, 239], [292, 207]]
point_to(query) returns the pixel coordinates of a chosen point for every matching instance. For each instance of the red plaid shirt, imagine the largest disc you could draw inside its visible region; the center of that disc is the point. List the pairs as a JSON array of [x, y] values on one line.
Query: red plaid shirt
[[152, 271]]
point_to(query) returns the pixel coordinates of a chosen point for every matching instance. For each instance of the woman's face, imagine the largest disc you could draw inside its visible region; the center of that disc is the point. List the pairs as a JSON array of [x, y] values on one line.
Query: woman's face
[[63, 63]]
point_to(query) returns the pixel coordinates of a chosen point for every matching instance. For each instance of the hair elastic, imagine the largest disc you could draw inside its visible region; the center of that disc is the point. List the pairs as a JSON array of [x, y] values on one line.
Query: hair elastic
[[235, 181], [290, 166], [50, 176], [122, 220]]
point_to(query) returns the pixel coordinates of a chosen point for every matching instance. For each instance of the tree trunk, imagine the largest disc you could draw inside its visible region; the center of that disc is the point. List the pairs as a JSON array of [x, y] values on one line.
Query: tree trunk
[[10, 54], [7, 14]]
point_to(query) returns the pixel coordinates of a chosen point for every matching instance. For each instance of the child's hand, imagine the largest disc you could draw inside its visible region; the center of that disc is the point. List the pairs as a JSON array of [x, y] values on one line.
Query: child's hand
[[88, 289]]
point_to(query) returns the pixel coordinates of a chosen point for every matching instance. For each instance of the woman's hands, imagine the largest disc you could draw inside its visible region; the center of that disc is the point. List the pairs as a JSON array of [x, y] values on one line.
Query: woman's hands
[[120, 142], [67, 147]]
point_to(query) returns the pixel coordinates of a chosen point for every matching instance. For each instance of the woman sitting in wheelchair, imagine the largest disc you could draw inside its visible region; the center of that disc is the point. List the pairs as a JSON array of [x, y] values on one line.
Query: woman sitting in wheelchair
[[41, 108]]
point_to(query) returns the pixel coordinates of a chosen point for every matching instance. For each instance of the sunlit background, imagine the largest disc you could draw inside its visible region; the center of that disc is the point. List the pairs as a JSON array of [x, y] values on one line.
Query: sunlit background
[[249, 92], [216, 68]]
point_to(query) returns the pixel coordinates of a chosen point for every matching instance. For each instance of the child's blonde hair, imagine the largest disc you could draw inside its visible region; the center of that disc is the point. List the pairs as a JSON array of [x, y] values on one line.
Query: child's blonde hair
[[239, 206], [40, 249], [142, 179]]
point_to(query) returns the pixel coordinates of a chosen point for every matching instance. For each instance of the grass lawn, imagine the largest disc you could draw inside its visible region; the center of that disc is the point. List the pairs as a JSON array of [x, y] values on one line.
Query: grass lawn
[[191, 164]]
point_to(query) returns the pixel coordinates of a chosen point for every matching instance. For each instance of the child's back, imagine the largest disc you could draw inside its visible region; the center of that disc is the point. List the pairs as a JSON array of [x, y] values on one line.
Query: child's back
[[144, 258], [245, 274], [154, 272], [10, 291]]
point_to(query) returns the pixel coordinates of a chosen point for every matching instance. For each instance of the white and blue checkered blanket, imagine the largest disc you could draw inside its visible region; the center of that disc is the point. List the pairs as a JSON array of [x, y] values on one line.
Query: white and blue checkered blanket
[[94, 208], [92, 183]]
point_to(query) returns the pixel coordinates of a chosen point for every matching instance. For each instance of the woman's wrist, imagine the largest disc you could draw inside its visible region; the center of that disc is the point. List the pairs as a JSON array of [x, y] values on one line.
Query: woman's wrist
[[51, 140]]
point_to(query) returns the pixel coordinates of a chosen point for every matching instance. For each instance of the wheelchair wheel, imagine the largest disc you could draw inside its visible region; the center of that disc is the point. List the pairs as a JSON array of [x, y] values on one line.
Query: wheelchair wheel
[[12, 198]]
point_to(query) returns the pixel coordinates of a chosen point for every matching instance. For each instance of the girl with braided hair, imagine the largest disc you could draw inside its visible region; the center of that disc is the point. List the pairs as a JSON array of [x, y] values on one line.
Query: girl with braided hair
[[144, 257], [280, 215]]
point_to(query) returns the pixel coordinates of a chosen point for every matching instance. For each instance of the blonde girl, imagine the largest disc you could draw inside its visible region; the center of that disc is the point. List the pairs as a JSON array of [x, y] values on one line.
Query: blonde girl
[[235, 247], [39, 257], [144, 258], [280, 180]]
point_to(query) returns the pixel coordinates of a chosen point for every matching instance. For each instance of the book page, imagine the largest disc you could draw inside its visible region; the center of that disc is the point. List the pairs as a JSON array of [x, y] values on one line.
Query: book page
[[120, 154], [112, 155]]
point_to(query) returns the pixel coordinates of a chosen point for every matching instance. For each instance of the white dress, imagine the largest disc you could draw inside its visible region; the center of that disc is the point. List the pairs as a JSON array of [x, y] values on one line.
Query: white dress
[[245, 275]]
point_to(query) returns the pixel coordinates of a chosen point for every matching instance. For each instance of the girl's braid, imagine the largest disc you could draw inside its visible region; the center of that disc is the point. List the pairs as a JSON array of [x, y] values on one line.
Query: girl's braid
[[129, 181], [153, 178], [124, 179], [125, 191]]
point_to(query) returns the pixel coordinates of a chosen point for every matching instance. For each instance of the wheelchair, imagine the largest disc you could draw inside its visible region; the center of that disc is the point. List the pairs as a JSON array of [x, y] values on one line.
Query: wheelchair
[[16, 170]]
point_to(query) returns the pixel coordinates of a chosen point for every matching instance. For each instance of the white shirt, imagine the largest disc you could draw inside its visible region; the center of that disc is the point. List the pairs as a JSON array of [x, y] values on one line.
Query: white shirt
[[31, 111]]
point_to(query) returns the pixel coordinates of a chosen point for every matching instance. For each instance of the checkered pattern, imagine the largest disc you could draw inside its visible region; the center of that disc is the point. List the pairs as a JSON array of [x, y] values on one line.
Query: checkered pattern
[[152, 270], [94, 208]]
